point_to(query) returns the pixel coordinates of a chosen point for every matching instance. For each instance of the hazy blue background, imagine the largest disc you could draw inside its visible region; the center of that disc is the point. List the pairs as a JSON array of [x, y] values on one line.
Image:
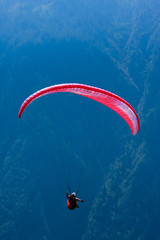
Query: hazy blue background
[[67, 139]]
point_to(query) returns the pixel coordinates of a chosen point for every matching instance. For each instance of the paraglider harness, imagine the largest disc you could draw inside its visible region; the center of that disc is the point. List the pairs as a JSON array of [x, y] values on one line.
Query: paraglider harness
[[72, 201]]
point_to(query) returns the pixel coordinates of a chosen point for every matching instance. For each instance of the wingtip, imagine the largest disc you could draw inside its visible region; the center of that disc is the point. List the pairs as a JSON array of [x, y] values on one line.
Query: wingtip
[[19, 115]]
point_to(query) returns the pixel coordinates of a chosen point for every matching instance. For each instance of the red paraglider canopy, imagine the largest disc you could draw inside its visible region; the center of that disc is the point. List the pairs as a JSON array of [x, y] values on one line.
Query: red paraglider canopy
[[116, 103]]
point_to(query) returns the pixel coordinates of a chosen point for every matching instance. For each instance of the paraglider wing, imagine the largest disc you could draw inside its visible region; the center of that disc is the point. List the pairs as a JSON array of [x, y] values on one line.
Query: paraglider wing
[[116, 103]]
